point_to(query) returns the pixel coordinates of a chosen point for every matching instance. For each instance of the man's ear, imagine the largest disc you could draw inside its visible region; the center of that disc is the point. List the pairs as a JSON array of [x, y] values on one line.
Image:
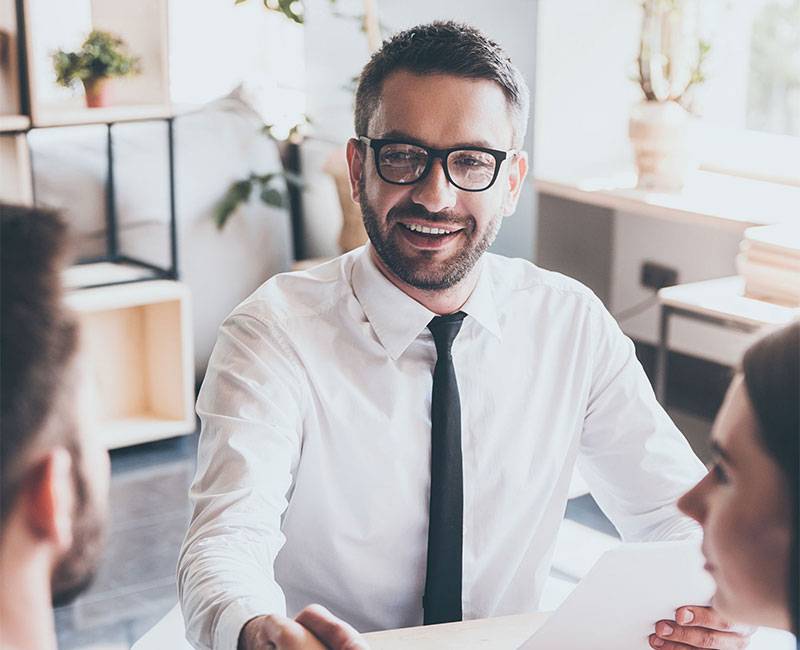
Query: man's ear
[[356, 154], [518, 170], [48, 497]]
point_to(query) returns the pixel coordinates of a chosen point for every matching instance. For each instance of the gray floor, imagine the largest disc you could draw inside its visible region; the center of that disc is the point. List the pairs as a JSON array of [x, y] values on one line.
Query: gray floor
[[135, 586]]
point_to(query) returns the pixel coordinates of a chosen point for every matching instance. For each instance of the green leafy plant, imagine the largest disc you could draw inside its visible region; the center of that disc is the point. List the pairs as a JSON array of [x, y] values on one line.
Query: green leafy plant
[[269, 186], [270, 191], [294, 10], [102, 55]]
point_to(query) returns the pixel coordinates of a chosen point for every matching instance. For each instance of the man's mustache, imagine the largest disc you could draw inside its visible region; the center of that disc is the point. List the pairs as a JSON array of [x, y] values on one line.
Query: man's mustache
[[402, 213]]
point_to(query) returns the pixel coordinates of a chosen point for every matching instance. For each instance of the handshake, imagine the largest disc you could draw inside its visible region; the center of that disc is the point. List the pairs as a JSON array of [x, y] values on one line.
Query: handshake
[[315, 628]]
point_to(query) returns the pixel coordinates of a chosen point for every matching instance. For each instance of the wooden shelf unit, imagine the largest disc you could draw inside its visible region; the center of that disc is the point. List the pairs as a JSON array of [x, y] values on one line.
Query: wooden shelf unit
[[12, 124], [106, 115], [15, 175], [143, 25], [137, 339], [16, 183], [11, 96], [84, 276], [136, 330]]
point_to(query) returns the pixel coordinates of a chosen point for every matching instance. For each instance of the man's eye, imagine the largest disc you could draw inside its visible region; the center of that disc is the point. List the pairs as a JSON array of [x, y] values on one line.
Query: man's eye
[[719, 473], [395, 157], [468, 161]]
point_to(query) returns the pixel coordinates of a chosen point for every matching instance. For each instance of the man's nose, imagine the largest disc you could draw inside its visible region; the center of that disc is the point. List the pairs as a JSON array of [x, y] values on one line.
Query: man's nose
[[434, 192]]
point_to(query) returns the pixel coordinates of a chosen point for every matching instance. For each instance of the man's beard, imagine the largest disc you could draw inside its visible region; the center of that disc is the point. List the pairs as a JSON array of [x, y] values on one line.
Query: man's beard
[[77, 567], [422, 272]]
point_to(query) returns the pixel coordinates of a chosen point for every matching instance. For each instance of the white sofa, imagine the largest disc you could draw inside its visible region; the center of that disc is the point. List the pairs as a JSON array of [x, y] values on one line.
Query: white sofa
[[214, 146]]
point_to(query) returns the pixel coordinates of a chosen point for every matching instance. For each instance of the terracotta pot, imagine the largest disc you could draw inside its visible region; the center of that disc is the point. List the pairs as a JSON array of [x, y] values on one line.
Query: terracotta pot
[[659, 133], [97, 92]]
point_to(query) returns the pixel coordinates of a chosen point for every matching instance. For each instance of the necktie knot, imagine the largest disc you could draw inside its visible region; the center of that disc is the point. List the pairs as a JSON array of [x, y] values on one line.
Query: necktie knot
[[444, 330]]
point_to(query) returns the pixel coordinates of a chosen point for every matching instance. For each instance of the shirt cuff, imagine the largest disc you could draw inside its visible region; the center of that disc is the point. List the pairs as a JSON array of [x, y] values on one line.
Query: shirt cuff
[[235, 615]]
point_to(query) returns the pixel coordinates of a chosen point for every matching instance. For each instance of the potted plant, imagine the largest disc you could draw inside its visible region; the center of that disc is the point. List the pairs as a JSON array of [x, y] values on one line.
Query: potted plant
[[101, 57], [670, 63], [269, 186]]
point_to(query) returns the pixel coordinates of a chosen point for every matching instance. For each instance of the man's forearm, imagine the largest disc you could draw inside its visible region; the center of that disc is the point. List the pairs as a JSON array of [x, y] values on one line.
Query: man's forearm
[[219, 594]]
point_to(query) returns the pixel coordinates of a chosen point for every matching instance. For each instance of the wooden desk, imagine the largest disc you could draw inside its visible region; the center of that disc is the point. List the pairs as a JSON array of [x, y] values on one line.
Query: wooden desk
[[500, 633], [509, 632], [708, 199]]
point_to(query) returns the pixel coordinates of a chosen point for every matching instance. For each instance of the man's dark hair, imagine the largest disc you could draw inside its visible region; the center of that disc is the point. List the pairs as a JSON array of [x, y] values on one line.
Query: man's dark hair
[[772, 376], [38, 341], [443, 48]]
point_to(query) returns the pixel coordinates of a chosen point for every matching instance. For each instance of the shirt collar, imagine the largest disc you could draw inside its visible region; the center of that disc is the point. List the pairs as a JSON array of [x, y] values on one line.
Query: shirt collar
[[481, 303], [397, 318]]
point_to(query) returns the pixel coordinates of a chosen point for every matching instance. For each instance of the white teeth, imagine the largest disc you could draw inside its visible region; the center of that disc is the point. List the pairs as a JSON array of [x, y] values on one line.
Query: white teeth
[[427, 230]]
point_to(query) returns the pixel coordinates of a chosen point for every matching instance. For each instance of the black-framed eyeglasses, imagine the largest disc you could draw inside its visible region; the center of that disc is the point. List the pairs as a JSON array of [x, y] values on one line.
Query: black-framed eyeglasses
[[472, 169]]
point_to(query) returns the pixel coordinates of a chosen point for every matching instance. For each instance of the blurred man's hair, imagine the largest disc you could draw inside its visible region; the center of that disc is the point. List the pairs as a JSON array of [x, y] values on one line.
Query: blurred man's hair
[[443, 47], [38, 341]]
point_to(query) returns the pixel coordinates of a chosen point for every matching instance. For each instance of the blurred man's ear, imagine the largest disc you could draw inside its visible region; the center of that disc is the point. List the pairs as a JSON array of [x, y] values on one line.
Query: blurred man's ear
[[356, 154], [518, 170], [48, 499]]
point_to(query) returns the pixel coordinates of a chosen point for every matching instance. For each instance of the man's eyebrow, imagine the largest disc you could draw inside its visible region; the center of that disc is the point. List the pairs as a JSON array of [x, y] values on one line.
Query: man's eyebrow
[[720, 452], [406, 137]]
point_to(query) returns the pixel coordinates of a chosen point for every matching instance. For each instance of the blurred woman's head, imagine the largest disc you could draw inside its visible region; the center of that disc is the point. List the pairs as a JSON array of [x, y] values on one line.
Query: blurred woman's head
[[748, 503]]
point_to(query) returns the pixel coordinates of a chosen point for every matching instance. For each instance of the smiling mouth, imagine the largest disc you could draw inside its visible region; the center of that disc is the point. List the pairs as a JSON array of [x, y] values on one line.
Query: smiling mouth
[[439, 231]]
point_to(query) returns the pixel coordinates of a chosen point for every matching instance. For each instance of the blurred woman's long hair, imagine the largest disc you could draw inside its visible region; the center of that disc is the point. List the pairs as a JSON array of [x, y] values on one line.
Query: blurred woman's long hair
[[772, 376]]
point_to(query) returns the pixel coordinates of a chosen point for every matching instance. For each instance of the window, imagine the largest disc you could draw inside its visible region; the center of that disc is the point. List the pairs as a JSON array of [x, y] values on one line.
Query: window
[[750, 104]]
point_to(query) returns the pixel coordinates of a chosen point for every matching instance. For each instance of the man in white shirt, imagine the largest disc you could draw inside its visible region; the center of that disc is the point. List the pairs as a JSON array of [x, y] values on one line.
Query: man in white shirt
[[326, 439]]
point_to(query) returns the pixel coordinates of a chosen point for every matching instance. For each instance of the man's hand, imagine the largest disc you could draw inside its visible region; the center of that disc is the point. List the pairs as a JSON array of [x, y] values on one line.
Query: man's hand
[[315, 628], [699, 627]]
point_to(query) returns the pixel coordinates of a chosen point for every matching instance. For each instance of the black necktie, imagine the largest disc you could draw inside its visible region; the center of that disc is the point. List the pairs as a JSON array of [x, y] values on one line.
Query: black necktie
[[442, 600]]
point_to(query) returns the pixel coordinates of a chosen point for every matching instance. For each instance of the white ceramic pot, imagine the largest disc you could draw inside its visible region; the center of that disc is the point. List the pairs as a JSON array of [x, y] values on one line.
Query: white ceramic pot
[[659, 133]]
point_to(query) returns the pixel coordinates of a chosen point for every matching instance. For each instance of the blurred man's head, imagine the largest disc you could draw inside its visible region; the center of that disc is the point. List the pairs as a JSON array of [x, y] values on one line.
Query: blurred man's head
[[53, 474]]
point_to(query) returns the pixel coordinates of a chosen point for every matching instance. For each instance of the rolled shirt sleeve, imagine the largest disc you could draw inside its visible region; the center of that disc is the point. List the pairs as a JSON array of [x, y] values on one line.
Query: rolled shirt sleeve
[[250, 407], [635, 461]]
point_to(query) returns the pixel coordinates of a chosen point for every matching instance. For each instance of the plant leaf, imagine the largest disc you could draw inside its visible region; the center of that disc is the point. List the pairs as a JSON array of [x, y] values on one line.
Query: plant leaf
[[238, 193], [272, 196]]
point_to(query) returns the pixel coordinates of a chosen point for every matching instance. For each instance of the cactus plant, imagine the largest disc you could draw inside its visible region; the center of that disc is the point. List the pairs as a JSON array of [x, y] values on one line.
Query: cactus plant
[[671, 54]]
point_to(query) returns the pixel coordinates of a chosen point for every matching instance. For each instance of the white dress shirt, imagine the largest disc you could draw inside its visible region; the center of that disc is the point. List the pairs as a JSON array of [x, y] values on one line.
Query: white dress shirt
[[313, 470]]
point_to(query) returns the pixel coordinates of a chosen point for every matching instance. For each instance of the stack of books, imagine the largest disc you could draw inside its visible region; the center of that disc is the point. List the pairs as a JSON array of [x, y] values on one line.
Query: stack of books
[[769, 262]]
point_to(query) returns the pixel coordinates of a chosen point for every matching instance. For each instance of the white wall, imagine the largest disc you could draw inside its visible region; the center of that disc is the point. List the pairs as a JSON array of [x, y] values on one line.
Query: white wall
[[215, 46], [585, 55], [336, 51]]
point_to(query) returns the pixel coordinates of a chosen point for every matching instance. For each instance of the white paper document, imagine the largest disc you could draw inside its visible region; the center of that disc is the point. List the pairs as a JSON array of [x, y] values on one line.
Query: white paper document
[[616, 605]]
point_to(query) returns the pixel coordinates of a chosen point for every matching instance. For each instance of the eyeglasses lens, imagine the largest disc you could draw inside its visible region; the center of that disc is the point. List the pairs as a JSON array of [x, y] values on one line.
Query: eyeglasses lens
[[402, 163], [471, 170]]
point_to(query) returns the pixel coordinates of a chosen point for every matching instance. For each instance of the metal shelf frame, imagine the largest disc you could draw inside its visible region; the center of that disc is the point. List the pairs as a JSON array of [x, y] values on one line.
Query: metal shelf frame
[[113, 253]]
